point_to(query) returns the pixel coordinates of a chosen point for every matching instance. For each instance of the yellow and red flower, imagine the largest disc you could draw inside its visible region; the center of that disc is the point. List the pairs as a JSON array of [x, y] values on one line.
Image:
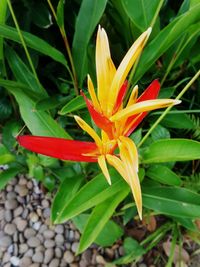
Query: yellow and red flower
[[115, 119]]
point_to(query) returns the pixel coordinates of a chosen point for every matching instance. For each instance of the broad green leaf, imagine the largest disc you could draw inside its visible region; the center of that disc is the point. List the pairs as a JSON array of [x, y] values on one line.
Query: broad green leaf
[[75, 104], [178, 202], [10, 131], [172, 150], [98, 219], [163, 175], [65, 193], [141, 12], [165, 39], [160, 133], [49, 103], [110, 233], [5, 155], [187, 223], [34, 42], [13, 84], [7, 175], [93, 193], [178, 121], [23, 74], [89, 15], [38, 122]]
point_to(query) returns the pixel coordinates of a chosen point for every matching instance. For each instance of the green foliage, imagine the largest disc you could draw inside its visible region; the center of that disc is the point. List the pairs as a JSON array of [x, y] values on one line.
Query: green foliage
[[44, 98]]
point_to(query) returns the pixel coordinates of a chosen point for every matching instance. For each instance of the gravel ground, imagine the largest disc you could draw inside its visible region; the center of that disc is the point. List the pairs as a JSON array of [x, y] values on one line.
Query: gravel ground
[[28, 239]]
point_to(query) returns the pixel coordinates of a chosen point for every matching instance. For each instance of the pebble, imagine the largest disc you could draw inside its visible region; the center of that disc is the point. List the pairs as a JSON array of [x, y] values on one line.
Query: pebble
[[29, 232], [11, 195], [59, 229], [23, 248], [42, 228], [21, 224], [37, 225], [59, 239], [49, 234], [45, 203], [29, 185], [11, 204], [8, 216], [54, 263], [25, 262], [46, 212], [2, 214], [35, 265], [10, 228], [29, 253], [75, 247], [33, 217], [15, 260], [86, 256], [49, 243], [6, 257], [5, 241], [48, 255], [25, 213], [68, 256], [18, 211], [58, 253], [71, 235], [100, 260], [22, 190], [9, 188], [33, 242], [38, 257]]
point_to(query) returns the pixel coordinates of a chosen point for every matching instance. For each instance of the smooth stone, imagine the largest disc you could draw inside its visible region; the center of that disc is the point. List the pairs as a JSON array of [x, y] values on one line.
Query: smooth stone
[[33, 217], [16, 237], [29, 185], [42, 228], [49, 243], [10, 228], [2, 213], [6, 257], [7, 265], [15, 250], [54, 263], [11, 204], [25, 213], [35, 265], [58, 253], [23, 248], [40, 248], [29, 232], [59, 229], [25, 262], [11, 195], [22, 180], [74, 247], [15, 260], [100, 260], [21, 224], [45, 203], [71, 235], [38, 257], [21, 238], [76, 235], [9, 188], [18, 211], [37, 225], [22, 190], [5, 241], [86, 256], [8, 216], [59, 239], [29, 253], [40, 236], [68, 256], [48, 255], [33, 242], [10, 249], [46, 212], [49, 234]]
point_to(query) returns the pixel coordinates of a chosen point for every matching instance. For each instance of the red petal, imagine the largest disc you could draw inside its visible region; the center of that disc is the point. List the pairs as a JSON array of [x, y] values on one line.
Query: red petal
[[150, 93], [59, 147], [100, 120], [121, 95]]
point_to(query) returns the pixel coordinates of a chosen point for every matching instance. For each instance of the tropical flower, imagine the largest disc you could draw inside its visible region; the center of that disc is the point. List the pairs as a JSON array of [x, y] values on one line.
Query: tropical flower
[[115, 119]]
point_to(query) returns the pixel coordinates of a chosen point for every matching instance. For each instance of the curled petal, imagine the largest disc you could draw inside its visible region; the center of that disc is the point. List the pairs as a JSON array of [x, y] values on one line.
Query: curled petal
[[151, 92], [92, 93], [100, 120], [59, 147], [120, 97], [103, 166], [144, 106]]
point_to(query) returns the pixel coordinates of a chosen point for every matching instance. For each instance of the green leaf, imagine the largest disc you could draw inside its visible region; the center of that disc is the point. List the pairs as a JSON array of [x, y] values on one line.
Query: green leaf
[[7, 175], [165, 39], [94, 192], [60, 13], [172, 150], [89, 15], [187, 223], [5, 155], [110, 233], [98, 219], [23, 74], [10, 131], [160, 133], [178, 202], [178, 121], [75, 104], [65, 193], [141, 12], [49, 182], [34, 42], [38, 122], [163, 175]]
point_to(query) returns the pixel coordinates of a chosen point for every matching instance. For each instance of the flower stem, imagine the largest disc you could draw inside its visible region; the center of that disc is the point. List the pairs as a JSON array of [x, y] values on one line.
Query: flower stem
[[169, 108]]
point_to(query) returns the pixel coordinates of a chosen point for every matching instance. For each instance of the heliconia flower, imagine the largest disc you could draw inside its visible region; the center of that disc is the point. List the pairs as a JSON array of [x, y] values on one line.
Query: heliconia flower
[[106, 107]]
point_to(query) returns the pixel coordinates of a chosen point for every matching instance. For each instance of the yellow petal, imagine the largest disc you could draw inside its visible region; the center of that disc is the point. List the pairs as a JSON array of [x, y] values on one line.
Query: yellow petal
[[86, 127], [144, 106], [133, 180], [133, 96], [104, 67], [103, 166], [118, 165], [93, 94], [125, 67]]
